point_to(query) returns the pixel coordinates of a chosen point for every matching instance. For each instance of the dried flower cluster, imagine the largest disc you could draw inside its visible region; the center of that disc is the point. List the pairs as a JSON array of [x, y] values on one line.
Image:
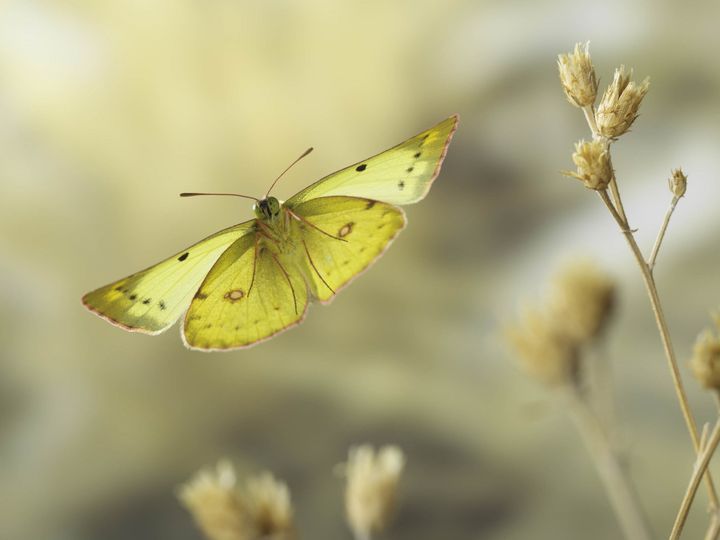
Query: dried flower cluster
[[705, 360], [619, 105], [549, 341], [577, 76], [583, 298], [546, 352], [261, 510], [614, 116], [224, 511], [592, 160], [678, 183], [372, 480]]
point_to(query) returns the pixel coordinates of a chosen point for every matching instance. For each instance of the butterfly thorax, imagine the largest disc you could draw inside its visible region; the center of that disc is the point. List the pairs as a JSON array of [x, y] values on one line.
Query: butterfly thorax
[[273, 225]]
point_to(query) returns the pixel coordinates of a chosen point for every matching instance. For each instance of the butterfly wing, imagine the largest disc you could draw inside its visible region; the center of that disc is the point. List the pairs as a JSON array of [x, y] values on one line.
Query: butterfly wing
[[337, 238], [401, 175], [252, 293], [152, 300]]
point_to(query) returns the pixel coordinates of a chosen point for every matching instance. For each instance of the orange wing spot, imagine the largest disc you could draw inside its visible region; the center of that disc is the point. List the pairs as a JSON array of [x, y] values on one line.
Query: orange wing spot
[[346, 229], [235, 295]]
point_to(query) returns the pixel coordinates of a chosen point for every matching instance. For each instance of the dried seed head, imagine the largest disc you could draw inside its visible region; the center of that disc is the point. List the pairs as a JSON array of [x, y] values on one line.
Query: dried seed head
[[213, 499], [678, 183], [268, 504], [705, 361], [582, 301], [372, 480], [546, 351], [225, 512], [592, 160], [619, 104], [577, 76]]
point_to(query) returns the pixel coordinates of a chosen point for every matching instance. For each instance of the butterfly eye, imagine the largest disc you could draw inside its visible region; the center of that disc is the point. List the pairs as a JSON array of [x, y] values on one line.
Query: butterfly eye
[[273, 206]]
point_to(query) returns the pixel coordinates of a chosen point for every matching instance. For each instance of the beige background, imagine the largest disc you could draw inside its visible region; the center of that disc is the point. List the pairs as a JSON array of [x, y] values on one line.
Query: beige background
[[109, 109]]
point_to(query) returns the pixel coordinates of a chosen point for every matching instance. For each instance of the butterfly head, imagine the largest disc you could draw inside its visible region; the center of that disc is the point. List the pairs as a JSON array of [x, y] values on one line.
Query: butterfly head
[[267, 209]]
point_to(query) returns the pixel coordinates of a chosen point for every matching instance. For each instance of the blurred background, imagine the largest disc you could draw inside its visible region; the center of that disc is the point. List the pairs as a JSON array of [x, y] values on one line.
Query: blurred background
[[109, 109]]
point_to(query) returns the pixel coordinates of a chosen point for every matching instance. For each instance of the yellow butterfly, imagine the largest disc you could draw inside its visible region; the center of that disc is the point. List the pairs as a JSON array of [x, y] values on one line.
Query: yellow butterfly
[[249, 282]]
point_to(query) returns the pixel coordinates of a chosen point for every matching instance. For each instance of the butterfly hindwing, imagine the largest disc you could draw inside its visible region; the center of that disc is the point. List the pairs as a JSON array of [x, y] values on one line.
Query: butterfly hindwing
[[152, 300], [251, 293], [341, 237], [400, 175]]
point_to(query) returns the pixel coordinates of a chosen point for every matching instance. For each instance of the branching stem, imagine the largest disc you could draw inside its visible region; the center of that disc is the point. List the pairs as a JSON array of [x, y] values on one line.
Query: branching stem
[[661, 232], [661, 322]]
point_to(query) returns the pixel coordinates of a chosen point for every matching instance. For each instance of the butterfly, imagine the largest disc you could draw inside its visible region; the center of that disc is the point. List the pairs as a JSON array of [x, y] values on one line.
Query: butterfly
[[251, 281]]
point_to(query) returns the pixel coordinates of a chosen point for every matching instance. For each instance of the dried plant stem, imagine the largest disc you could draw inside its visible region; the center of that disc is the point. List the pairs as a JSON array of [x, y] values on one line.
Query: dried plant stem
[[661, 232], [701, 465], [713, 529], [661, 322], [616, 198], [622, 497], [589, 113], [600, 371]]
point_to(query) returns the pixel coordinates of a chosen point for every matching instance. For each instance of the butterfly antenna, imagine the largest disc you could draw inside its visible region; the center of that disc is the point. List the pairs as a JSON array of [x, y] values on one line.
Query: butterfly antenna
[[226, 194], [305, 153]]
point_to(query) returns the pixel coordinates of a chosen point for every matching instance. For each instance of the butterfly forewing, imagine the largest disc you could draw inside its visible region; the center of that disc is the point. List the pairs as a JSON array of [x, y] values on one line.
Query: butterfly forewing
[[341, 237], [401, 175], [152, 300]]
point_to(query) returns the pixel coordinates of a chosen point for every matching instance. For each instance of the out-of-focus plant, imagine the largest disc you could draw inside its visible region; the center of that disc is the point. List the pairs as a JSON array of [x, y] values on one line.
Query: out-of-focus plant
[[261, 509], [224, 510], [553, 343]]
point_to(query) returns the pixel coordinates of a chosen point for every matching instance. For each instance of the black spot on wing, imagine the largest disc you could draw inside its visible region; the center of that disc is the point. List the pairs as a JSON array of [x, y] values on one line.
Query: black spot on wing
[[361, 168], [401, 185], [410, 169], [147, 301], [133, 296], [161, 303], [417, 155], [183, 256]]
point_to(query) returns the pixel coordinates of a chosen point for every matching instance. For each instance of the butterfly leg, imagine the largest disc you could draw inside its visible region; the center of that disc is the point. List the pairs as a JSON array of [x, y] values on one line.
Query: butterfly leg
[[307, 252], [263, 230], [303, 220], [287, 276], [267, 232], [255, 258]]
